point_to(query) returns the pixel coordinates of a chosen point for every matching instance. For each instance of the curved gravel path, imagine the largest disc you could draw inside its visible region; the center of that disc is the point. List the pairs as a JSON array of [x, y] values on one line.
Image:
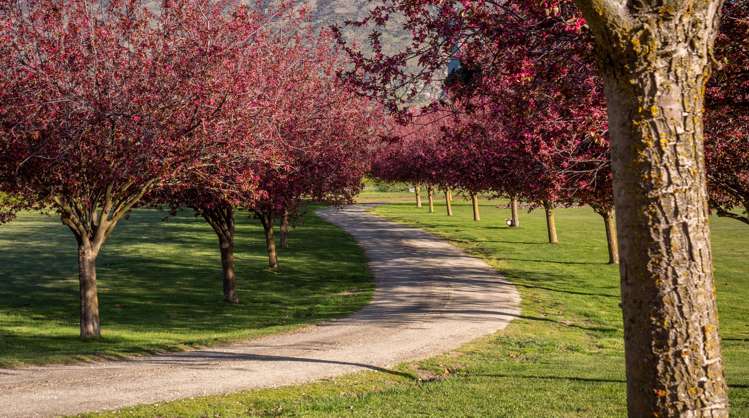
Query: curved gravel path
[[430, 298]]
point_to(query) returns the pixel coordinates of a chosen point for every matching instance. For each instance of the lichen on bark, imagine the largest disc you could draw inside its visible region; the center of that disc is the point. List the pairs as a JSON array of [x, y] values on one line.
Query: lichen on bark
[[655, 57]]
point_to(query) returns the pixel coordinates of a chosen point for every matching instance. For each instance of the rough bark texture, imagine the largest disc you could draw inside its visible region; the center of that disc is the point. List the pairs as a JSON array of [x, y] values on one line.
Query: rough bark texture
[[89, 297], [613, 245], [515, 221], [475, 204], [221, 219], [551, 223], [655, 58], [285, 230], [430, 193], [417, 188], [449, 203]]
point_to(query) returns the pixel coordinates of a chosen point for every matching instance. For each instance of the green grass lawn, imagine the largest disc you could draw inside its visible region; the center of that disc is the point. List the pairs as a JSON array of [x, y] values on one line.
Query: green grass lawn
[[160, 286], [562, 358]]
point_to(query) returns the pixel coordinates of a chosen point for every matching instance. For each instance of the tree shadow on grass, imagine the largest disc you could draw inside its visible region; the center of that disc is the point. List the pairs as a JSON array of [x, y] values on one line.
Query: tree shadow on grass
[[565, 378], [165, 277], [206, 358], [606, 330], [26, 348], [570, 292], [499, 241], [546, 377], [568, 378], [536, 280], [579, 263]]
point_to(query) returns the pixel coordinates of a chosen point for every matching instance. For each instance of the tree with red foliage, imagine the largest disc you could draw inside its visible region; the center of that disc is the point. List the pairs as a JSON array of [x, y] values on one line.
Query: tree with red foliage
[[246, 137], [415, 152], [727, 116], [654, 60], [526, 120], [213, 190], [590, 179], [101, 103], [321, 133]]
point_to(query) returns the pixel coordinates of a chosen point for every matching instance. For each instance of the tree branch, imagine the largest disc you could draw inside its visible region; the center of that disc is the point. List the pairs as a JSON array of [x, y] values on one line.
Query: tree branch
[[727, 214], [606, 17]]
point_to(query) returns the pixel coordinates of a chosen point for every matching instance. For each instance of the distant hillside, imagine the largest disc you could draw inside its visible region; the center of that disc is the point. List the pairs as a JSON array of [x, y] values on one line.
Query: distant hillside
[[335, 12]]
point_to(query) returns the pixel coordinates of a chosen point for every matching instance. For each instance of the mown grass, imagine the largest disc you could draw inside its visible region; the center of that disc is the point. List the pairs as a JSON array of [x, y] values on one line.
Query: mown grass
[[160, 286], [562, 358]]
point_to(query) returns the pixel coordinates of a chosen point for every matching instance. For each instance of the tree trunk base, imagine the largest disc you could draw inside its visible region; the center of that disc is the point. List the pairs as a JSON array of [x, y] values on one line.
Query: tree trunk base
[[430, 194], [551, 223], [515, 221], [449, 203], [476, 210], [89, 299]]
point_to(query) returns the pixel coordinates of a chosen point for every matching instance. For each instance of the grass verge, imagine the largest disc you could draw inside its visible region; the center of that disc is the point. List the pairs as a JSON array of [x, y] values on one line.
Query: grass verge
[[160, 286]]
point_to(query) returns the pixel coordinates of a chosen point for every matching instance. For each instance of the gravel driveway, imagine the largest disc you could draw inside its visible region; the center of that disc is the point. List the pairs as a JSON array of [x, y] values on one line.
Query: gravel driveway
[[430, 298]]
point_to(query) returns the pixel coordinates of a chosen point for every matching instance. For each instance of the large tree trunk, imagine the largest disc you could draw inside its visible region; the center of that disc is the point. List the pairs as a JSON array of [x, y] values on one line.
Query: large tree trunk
[[448, 202], [551, 223], [613, 245], [430, 193], [656, 60], [89, 297], [515, 221], [417, 188], [221, 219], [270, 240], [285, 230], [475, 204], [672, 344]]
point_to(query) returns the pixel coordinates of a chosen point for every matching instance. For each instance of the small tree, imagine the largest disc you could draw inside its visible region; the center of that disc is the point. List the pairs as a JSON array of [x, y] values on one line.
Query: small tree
[[317, 130]]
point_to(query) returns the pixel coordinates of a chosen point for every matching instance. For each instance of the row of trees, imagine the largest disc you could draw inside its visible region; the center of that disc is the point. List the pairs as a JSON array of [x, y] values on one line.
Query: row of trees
[[550, 98], [107, 106], [440, 151]]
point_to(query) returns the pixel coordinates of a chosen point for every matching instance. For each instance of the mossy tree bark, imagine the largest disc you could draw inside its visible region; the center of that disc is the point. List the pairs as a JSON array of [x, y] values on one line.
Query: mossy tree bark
[[514, 205], [221, 219], [655, 58], [551, 223], [476, 209]]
